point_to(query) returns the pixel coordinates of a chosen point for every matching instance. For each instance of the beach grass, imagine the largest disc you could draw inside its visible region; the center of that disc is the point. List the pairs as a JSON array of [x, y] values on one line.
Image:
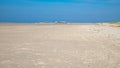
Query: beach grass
[[115, 23]]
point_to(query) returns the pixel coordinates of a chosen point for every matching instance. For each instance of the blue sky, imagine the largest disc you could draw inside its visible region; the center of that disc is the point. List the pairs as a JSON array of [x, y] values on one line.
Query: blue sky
[[59, 10]]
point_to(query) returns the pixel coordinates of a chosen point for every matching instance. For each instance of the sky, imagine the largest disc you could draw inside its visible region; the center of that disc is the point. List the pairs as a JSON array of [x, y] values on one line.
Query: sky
[[59, 10]]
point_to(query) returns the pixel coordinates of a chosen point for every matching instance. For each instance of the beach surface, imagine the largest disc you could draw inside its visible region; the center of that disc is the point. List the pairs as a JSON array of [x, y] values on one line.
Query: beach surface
[[59, 46]]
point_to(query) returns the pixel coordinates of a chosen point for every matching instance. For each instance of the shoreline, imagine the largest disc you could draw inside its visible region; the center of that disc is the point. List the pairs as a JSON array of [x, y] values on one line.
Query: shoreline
[[48, 23]]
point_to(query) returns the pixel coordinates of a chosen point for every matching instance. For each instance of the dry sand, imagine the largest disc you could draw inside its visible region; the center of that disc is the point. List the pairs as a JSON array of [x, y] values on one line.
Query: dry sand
[[59, 46]]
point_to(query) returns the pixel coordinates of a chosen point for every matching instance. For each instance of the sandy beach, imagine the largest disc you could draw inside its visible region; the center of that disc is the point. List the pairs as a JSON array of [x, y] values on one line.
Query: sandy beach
[[59, 46]]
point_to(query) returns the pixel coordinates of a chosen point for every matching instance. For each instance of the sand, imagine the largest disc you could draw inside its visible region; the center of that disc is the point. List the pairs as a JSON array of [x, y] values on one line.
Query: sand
[[59, 46]]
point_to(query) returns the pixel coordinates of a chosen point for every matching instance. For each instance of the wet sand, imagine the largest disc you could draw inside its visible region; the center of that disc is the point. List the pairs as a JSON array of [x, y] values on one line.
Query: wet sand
[[59, 46]]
